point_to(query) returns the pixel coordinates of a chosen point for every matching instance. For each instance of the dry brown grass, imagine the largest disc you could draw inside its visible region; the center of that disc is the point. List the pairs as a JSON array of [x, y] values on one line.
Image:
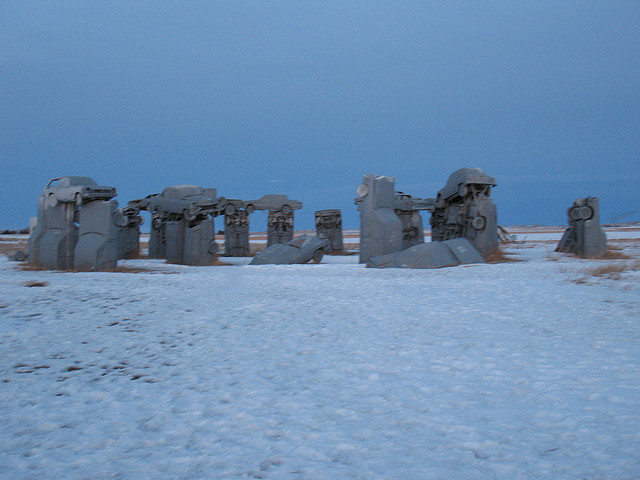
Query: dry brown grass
[[613, 271], [35, 283], [614, 252], [256, 247], [219, 263], [498, 255], [123, 269], [119, 269], [30, 268], [13, 247]]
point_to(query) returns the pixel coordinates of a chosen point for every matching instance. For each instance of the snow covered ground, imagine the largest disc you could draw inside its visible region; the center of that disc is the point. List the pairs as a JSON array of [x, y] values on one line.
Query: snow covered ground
[[515, 370]]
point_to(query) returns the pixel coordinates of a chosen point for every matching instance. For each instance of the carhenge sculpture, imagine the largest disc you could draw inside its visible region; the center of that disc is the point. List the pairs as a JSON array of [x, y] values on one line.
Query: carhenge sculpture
[[182, 229], [78, 226], [299, 250], [236, 229], [280, 217], [463, 208], [279, 223], [584, 237], [329, 226], [463, 222]]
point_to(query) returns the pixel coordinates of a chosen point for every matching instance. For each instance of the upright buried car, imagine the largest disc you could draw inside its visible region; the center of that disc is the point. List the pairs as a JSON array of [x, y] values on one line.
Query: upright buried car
[[298, 250]]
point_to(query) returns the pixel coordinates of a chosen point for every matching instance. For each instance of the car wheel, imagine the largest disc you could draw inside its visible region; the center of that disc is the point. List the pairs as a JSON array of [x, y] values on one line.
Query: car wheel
[[230, 210], [52, 200], [157, 223], [250, 209], [586, 213], [478, 222], [119, 219], [574, 213], [286, 209]]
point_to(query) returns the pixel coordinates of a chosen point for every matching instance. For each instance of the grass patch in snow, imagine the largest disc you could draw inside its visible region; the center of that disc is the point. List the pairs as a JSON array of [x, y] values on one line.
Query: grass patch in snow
[[498, 255], [119, 269], [613, 271], [614, 252]]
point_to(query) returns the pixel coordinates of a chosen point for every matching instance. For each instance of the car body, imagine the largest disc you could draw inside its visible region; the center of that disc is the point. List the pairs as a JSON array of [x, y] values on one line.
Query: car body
[[76, 190], [189, 201], [459, 182], [273, 203], [299, 250]]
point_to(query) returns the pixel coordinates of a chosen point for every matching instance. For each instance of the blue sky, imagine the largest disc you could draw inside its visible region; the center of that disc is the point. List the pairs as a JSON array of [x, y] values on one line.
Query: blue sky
[[304, 98]]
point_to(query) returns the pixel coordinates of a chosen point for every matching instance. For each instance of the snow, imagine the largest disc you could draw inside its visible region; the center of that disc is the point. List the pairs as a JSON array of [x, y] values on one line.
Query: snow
[[508, 371]]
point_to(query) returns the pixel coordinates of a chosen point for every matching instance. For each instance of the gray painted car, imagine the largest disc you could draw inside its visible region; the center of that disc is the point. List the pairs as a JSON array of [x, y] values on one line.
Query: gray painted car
[[460, 180], [76, 190], [273, 203], [299, 250]]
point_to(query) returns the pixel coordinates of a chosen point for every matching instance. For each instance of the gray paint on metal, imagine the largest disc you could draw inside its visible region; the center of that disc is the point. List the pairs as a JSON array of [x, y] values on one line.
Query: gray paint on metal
[[448, 253], [329, 226], [157, 242], [57, 244], [174, 231], [380, 227], [97, 246], [302, 249], [584, 237], [279, 227], [182, 228], [236, 232], [199, 243], [54, 243], [463, 208]]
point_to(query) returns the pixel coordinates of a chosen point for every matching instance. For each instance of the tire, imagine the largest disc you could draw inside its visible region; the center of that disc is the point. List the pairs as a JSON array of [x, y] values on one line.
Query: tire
[[157, 223], [586, 213], [479, 222], [213, 247], [286, 209], [250, 209], [230, 210], [317, 256], [52, 200], [119, 219], [574, 213], [362, 190]]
